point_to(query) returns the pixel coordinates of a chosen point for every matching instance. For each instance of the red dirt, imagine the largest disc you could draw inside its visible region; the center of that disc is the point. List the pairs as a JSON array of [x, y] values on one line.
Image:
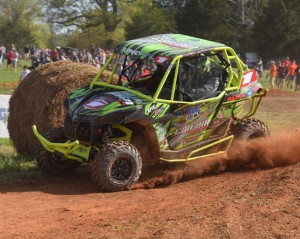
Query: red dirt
[[212, 198]]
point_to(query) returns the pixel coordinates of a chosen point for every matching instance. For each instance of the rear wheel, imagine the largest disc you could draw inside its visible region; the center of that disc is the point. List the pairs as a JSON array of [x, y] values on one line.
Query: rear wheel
[[116, 167], [53, 163], [239, 155], [249, 129]]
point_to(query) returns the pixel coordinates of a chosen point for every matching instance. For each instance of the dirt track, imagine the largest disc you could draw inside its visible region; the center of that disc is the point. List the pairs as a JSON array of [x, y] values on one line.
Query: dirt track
[[196, 202]]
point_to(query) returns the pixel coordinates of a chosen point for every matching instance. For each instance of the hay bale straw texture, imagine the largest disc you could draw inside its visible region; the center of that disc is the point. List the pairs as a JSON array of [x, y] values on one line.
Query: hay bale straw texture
[[39, 99]]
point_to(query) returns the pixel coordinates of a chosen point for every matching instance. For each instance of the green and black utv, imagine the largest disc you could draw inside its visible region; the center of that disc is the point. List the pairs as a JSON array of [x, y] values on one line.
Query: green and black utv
[[169, 98]]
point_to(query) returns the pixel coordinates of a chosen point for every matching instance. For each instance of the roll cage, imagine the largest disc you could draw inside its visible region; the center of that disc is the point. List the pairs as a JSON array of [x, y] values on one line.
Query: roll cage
[[177, 75]]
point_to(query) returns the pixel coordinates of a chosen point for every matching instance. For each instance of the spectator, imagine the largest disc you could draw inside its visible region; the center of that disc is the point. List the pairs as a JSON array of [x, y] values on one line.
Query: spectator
[[42, 56], [1, 56], [291, 74], [24, 73], [47, 56], [297, 79], [287, 61], [3, 50], [26, 53], [55, 55], [34, 62], [10, 57], [273, 71], [103, 58], [15, 59], [89, 58], [259, 68], [281, 75], [33, 51]]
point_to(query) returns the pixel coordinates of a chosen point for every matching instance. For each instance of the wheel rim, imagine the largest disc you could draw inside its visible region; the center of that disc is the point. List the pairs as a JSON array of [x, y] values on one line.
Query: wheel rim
[[121, 170]]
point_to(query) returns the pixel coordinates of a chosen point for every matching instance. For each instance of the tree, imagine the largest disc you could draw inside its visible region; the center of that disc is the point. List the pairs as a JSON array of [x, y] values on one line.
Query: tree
[[247, 13], [210, 19], [149, 18], [277, 31], [86, 16], [18, 22]]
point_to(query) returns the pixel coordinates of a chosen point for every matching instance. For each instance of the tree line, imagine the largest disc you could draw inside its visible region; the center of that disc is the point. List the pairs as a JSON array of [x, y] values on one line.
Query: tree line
[[269, 27]]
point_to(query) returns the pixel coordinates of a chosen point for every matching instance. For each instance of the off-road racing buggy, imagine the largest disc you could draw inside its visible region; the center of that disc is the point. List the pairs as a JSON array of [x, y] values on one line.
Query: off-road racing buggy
[[170, 98]]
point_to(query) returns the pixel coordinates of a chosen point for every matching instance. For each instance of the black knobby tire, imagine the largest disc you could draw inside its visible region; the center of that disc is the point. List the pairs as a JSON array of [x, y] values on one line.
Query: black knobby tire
[[116, 166], [249, 129], [51, 163]]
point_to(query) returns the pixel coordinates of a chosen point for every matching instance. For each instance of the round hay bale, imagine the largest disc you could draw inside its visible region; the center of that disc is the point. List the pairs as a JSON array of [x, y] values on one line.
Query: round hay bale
[[39, 99]]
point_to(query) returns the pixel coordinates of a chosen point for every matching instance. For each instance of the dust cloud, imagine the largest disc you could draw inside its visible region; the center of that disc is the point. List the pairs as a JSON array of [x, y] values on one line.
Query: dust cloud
[[276, 151]]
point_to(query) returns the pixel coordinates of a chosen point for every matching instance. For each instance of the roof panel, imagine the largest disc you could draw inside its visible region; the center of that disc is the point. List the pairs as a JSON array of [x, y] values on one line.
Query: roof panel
[[165, 46]]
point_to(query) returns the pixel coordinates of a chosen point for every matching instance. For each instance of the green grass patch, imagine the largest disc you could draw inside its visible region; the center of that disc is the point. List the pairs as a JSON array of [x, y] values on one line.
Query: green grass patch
[[13, 166], [9, 79]]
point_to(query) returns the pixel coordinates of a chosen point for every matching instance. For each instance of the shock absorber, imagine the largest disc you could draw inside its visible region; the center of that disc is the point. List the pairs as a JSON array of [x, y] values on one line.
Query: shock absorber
[[107, 134]]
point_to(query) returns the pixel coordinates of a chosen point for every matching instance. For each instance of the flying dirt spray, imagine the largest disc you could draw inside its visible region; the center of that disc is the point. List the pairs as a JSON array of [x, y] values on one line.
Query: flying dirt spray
[[261, 153]]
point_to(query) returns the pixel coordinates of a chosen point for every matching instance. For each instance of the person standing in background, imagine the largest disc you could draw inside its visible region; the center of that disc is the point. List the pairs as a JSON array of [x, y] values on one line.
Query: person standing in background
[[55, 55], [15, 59], [24, 73], [281, 75], [26, 53], [297, 79], [287, 61], [10, 56], [1, 56], [273, 72], [32, 51], [259, 67], [42, 56], [291, 75]]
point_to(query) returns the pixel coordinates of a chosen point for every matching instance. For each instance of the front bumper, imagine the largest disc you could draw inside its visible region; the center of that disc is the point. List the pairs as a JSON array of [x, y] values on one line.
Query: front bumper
[[69, 150]]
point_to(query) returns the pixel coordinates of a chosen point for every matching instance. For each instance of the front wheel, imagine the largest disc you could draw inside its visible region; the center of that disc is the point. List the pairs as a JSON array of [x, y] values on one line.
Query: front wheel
[[51, 163], [116, 167]]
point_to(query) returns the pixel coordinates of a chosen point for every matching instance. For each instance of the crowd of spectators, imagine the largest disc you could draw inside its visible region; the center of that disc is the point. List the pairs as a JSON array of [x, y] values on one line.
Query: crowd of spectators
[[284, 73], [33, 57]]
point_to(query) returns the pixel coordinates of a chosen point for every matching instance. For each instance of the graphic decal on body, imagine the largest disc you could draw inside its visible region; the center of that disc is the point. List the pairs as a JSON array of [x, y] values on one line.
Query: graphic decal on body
[[95, 104], [189, 124], [156, 110], [162, 132]]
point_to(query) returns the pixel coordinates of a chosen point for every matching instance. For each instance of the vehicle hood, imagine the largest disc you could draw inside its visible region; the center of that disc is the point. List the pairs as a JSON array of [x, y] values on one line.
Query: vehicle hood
[[99, 102]]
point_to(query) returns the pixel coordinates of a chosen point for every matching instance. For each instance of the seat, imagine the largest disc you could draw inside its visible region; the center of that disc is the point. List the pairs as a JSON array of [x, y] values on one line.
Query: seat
[[210, 88]]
